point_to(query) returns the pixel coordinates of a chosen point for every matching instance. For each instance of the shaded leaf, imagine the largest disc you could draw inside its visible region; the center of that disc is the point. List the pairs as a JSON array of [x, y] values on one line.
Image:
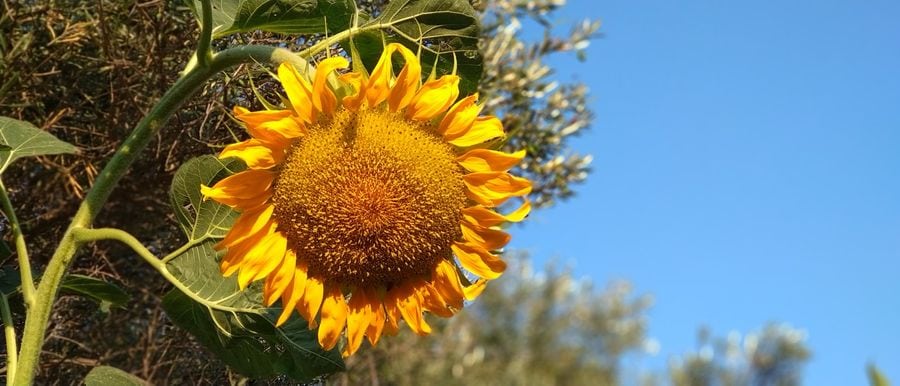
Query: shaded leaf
[[103, 292], [5, 251], [22, 139], [232, 324], [282, 16], [111, 376], [10, 281]]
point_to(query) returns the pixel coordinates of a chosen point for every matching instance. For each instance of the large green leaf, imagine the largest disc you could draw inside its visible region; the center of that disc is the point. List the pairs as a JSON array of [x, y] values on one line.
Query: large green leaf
[[447, 31], [283, 16], [103, 292], [111, 376], [232, 324], [21, 139]]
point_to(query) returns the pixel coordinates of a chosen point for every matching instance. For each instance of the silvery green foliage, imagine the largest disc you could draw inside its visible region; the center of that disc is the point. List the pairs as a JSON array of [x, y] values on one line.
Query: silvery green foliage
[[539, 111], [774, 356]]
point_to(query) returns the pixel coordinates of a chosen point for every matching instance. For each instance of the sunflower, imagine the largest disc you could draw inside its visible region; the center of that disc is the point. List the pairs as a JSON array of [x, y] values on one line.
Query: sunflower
[[374, 207]]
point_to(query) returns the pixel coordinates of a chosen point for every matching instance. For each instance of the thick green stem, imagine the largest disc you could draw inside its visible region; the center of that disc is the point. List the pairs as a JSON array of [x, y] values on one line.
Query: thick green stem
[[10, 331], [21, 248], [184, 88], [204, 51]]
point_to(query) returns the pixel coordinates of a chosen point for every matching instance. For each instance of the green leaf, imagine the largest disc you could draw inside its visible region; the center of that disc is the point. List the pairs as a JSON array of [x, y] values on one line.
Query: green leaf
[[105, 293], [22, 139], [5, 251], [10, 281], [111, 376], [231, 323], [282, 16], [447, 31]]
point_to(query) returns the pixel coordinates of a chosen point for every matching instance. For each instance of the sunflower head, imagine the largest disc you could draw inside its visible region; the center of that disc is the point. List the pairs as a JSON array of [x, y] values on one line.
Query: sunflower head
[[370, 209]]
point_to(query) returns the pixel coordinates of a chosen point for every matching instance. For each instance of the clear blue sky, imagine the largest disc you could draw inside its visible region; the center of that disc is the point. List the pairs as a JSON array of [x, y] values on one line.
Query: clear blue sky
[[747, 169]]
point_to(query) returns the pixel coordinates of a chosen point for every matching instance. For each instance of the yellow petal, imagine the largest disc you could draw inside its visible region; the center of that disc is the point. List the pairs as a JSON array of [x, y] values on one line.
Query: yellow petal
[[299, 92], [357, 81], [244, 190], [254, 153], [407, 83], [487, 218], [494, 188], [433, 302], [475, 289], [312, 299], [459, 118], [484, 129], [358, 320], [376, 325], [275, 127], [407, 301], [433, 98], [446, 282], [378, 89], [235, 256], [483, 160], [280, 280], [479, 261], [293, 293], [334, 318], [250, 222], [323, 98], [260, 257], [487, 238], [392, 315]]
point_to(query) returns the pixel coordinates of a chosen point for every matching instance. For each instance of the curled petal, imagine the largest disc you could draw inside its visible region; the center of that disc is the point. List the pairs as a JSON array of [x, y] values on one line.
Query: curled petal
[[485, 237], [478, 260], [433, 98], [407, 83], [299, 92], [459, 118], [494, 188], [447, 284], [357, 82], [485, 217], [323, 98], [255, 153], [484, 129], [475, 289], [483, 160]]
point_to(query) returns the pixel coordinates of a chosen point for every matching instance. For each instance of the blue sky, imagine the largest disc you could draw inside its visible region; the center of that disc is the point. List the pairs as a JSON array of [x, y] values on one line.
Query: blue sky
[[746, 170]]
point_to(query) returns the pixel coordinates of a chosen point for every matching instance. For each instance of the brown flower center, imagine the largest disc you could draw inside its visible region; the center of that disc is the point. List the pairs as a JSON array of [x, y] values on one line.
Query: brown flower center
[[370, 198]]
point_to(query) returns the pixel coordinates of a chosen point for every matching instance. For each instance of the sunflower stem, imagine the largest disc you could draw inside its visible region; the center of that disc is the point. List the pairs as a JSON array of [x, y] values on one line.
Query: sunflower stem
[[10, 332], [191, 82], [21, 248], [204, 46]]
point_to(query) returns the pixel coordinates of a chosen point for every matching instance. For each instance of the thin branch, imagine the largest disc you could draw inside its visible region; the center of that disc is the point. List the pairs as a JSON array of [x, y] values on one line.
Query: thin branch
[[21, 248], [10, 331]]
